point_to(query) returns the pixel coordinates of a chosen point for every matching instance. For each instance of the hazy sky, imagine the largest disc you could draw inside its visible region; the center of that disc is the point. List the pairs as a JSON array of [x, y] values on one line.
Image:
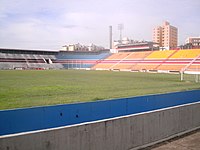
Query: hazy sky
[[50, 24]]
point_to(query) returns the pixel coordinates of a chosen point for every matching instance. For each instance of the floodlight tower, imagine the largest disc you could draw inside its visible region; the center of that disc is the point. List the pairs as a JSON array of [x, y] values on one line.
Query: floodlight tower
[[120, 28]]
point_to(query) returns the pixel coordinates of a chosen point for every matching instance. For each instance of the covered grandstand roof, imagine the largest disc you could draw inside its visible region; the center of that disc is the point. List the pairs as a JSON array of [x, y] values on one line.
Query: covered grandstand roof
[[30, 50]]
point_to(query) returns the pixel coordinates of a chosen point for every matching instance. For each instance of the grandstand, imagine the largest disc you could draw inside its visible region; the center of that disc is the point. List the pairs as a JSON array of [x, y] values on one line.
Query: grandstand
[[80, 60], [27, 59], [156, 61], [167, 61], [43, 59]]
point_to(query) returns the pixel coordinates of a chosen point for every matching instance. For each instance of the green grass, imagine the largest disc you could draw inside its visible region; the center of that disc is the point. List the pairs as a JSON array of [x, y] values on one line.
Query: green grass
[[35, 88]]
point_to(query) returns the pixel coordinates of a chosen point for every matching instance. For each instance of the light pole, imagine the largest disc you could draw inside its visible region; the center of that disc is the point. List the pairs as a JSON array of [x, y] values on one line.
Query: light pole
[[120, 28]]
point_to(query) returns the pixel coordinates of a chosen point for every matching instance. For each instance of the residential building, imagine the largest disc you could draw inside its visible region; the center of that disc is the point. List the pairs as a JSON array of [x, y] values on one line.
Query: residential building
[[166, 36]]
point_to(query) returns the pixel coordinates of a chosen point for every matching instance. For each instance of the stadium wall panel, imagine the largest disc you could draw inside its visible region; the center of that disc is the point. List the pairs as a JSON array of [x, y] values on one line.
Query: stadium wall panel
[[37, 118], [120, 133]]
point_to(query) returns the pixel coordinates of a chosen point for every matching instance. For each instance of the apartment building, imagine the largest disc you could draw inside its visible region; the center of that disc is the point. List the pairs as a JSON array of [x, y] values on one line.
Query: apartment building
[[166, 36]]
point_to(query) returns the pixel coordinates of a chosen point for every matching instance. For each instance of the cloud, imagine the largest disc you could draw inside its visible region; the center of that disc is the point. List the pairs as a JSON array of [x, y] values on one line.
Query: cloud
[[70, 26], [51, 24]]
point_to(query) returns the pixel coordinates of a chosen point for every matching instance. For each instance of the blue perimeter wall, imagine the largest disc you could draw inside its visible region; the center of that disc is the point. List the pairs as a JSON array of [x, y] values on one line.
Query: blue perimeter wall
[[30, 119]]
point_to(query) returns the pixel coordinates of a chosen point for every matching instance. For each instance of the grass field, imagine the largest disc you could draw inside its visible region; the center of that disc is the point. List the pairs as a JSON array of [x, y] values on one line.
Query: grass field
[[35, 88]]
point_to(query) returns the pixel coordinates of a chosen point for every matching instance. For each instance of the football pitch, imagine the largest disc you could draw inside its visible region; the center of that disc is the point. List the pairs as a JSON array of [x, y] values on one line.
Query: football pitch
[[29, 88]]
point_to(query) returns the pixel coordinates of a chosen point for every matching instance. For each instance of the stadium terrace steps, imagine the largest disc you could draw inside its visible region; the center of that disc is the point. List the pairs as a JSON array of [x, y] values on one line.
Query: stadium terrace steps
[[118, 56], [102, 66], [118, 64], [171, 67], [44, 60], [171, 60], [143, 67], [122, 60], [25, 61], [160, 54], [72, 60], [110, 61], [194, 67], [168, 57], [141, 56], [122, 66], [179, 60], [191, 62], [185, 54]]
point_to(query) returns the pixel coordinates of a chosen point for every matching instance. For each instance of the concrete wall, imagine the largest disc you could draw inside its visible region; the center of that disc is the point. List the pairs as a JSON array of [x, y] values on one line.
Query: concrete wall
[[122, 133], [30, 119]]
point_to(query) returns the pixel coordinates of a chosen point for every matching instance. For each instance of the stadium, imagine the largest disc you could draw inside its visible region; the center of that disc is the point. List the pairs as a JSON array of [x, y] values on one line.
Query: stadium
[[97, 100]]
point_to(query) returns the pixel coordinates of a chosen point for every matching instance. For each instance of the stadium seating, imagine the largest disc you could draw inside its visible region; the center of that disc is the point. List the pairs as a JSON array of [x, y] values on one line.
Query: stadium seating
[[171, 60], [172, 67], [143, 67], [194, 67], [185, 54], [122, 61], [181, 59], [118, 56], [101, 66], [72, 60], [160, 54], [26, 61]]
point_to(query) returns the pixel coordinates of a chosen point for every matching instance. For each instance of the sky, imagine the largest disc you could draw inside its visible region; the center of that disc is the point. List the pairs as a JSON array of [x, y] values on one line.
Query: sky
[[50, 24]]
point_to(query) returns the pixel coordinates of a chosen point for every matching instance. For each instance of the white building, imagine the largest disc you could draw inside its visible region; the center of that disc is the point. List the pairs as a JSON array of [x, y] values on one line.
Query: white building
[[194, 41], [128, 45], [79, 47]]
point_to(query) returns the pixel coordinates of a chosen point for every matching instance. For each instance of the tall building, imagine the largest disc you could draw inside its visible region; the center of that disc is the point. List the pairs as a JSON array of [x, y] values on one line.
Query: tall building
[[166, 36]]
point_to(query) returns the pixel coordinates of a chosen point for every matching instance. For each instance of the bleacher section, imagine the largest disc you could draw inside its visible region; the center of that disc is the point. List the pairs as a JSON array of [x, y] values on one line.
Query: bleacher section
[[185, 54], [80, 60], [160, 54], [179, 60], [32, 59], [168, 60], [24, 59], [157, 61]]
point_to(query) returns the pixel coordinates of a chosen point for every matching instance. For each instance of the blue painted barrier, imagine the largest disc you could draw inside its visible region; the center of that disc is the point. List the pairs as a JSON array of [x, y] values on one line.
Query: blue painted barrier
[[30, 119]]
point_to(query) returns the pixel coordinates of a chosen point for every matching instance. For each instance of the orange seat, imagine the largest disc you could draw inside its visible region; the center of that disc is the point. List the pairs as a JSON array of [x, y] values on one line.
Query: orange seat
[[160, 54], [171, 67], [151, 60]]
